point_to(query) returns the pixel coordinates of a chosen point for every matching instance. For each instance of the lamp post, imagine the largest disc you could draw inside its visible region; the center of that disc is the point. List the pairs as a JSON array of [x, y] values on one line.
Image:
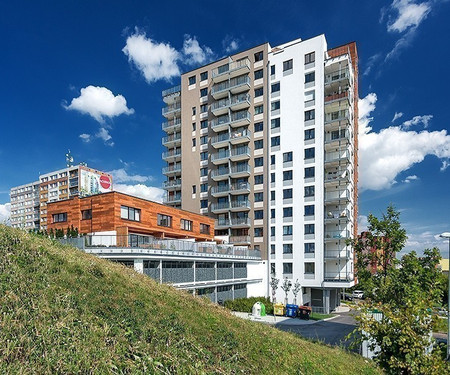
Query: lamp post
[[447, 236]]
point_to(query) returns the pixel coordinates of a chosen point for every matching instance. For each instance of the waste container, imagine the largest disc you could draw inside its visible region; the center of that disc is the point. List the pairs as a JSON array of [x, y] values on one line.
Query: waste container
[[263, 309], [304, 312], [256, 309], [278, 309], [291, 310]]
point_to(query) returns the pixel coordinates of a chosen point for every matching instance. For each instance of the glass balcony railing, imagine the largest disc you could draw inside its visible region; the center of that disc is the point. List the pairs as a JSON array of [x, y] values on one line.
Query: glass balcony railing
[[337, 234], [171, 138], [337, 214], [220, 138], [171, 90], [220, 155], [220, 172], [171, 124], [171, 108], [173, 199], [171, 154], [240, 221], [220, 189], [337, 116], [239, 151], [172, 169], [172, 183], [337, 76], [230, 67], [241, 134], [220, 206], [240, 204], [240, 169]]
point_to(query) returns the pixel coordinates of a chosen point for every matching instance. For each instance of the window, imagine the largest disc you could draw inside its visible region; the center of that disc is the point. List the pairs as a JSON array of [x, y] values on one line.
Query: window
[[309, 191], [288, 65], [272, 177], [309, 172], [259, 162], [287, 157], [194, 142], [258, 232], [287, 175], [203, 124], [258, 74], [272, 213], [309, 153], [259, 197], [130, 213], [204, 155], [274, 141], [275, 87], [205, 228], [259, 214], [310, 115], [86, 214], [309, 228], [310, 77], [309, 210], [272, 195], [272, 70], [259, 179], [272, 159], [275, 105], [204, 92], [192, 80], [203, 76], [164, 220], [310, 134], [204, 140], [287, 193], [259, 144], [309, 268], [259, 109], [259, 56], [287, 230], [272, 249], [194, 126], [287, 248], [259, 127], [309, 248], [272, 231], [287, 212], [310, 57], [204, 203], [194, 111], [204, 172], [310, 95], [259, 92], [186, 224], [59, 218], [204, 108], [204, 188], [275, 123], [194, 189], [287, 268]]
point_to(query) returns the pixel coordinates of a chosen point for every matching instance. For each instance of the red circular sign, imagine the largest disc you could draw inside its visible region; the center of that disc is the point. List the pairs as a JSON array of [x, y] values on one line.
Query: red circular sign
[[105, 182]]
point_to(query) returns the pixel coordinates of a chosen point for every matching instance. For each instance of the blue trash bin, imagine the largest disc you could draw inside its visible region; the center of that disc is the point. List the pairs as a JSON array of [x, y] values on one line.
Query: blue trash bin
[[291, 311]]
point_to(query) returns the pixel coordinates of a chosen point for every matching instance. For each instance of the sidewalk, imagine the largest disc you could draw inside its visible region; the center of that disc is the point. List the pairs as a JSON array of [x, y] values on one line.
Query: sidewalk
[[273, 319]]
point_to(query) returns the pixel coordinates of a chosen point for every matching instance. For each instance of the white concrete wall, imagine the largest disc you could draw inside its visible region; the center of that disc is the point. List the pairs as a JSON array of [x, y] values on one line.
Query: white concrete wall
[[257, 271]]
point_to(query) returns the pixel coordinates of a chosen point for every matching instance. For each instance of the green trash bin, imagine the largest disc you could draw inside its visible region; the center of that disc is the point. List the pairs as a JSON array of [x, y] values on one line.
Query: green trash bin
[[263, 309]]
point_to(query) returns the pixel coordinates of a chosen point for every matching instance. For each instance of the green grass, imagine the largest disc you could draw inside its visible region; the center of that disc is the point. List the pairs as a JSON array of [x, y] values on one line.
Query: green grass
[[317, 316], [64, 311]]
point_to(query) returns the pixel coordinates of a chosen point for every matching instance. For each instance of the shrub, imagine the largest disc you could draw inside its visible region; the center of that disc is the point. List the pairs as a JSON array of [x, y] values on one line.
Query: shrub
[[246, 304]]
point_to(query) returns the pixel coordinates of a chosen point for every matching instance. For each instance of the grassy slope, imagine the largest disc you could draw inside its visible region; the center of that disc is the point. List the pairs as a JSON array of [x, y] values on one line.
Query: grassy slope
[[63, 311]]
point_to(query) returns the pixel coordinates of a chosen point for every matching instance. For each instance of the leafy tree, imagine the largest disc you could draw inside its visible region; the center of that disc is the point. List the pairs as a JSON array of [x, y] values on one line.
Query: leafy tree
[[287, 285], [274, 286], [402, 292]]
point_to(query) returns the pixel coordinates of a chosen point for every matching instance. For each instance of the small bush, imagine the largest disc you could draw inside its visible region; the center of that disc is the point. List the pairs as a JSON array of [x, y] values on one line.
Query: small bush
[[246, 304]]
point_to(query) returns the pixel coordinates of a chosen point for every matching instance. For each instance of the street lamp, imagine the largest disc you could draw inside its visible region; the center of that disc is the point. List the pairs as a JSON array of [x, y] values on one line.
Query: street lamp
[[447, 235]]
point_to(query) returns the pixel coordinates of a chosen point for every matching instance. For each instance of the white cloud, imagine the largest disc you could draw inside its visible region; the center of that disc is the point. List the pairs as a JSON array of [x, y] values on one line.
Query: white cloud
[[102, 134], [409, 15], [5, 213], [85, 137], [385, 154], [410, 178], [121, 175], [194, 54], [230, 44], [143, 191], [416, 120], [371, 62], [419, 241], [154, 60], [99, 102], [363, 222], [397, 116]]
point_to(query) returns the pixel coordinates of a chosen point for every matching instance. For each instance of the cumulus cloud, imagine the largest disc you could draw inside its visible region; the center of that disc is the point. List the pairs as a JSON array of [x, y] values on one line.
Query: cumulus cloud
[[410, 178], [421, 240], [417, 120], [409, 15], [99, 103], [121, 175], [397, 116], [194, 53], [154, 60], [143, 191], [384, 155], [102, 134], [230, 44], [5, 213]]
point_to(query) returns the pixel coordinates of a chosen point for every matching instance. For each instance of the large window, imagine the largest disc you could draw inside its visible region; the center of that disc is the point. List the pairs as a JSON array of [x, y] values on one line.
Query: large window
[[258, 232], [203, 124], [259, 126], [204, 92], [130, 213], [186, 224], [309, 228], [192, 80], [259, 162], [310, 153], [309, 268], [204, 203], [287, 212], [259, 109], [287, 230], [203, 76], [274, 141], [275, 87], [309, 191], [259, 144], [287, 268], [164, 220], [204, 155], [309, 248], [259, 56], [259, 197], [205, 228], [310, 57], [204, 188], [287, 157], [86, 214], [259, 214], [275, 123], [288, 65], [275, 105], [310, 115], [287, 248], [259, 92], [309, 172], [287, 175], [258, 74], [287, 193], [310, 134], [59, 218], [309, 210], [259, 179], [310, 77]]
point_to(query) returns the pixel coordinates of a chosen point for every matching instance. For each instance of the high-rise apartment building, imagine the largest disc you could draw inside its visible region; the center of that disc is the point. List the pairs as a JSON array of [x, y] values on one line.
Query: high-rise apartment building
[[265, 141], [29, 202]]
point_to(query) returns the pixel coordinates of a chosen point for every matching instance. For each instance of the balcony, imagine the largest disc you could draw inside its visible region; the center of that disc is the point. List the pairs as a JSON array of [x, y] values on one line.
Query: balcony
[[240, 153], [240, 171], [172, 140], [339, 100], [240, 118], [239, 84], [220, 207], [231, 70], [337, 158], [337, 254], [220, 190], [220, 174], [172, 110], [240, 188], [170, 94], [338, 276], [172, 184], [335, 217], [172, 155], [337, 138], [172, 170], [220, 140], [241, 205], [336, 235], [221, 123], [242, 240], [172, 126], [241, 136], [220, 157], [334, 118], [336, 177], [222, 223], [220, 107], [239, 102], [242, 222], [173, 199], [220, 90], [337, 197], [343, 76]]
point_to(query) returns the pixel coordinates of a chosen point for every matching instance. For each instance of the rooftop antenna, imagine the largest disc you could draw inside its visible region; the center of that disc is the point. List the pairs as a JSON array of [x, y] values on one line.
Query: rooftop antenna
[[69, 159]]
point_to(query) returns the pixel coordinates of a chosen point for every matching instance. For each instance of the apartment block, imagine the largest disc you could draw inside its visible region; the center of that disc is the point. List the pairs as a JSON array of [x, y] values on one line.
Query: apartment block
[[25, 206], [265, 141]]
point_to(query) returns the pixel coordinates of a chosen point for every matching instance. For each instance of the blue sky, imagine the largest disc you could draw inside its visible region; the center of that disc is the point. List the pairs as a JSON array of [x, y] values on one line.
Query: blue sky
[[87, 76]]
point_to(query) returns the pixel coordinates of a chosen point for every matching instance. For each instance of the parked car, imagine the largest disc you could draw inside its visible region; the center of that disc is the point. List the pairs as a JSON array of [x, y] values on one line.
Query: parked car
[[347, 297], [358, 294]]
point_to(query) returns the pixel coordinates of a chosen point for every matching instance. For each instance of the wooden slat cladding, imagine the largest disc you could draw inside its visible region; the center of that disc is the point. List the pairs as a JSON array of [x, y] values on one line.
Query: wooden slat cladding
[[106, 217]]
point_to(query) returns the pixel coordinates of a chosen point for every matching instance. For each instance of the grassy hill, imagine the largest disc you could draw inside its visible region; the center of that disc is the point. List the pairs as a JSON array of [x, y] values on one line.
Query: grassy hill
[[63, 311]]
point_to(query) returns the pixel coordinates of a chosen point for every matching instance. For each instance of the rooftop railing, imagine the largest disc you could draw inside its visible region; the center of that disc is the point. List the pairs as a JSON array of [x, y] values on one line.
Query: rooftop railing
[[171, 90]]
